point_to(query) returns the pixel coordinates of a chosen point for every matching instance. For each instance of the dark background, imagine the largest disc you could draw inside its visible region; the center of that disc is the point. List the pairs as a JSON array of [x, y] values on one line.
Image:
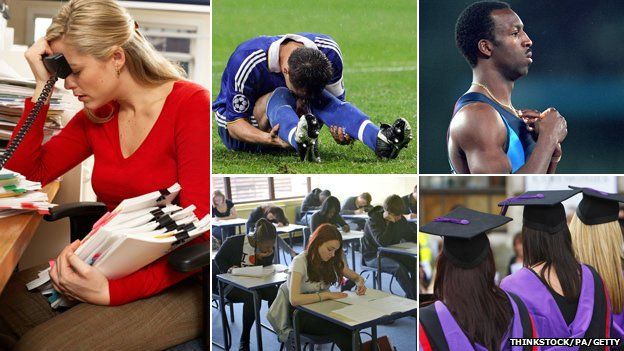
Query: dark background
[[578, 68]]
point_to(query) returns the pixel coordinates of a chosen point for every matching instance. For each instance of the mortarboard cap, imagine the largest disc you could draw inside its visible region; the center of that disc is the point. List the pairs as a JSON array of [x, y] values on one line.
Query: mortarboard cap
[[597, 206], [543, 210], [463, 229]]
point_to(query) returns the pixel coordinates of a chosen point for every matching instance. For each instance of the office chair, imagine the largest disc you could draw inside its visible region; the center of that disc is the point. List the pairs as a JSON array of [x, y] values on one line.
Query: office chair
[[82, 216]]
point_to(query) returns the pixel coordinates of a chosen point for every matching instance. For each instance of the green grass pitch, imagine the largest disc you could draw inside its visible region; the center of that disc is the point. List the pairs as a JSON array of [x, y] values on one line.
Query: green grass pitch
[[378, 42]]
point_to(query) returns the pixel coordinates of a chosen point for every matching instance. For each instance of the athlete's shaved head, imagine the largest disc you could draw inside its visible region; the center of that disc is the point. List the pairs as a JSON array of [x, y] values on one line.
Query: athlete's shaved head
[[309, 71], [474, 24]]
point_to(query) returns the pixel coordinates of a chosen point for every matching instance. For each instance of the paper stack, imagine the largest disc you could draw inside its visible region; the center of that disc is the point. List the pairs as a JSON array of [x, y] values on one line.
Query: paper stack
[[13, 92], [19, 195], [139, 231]]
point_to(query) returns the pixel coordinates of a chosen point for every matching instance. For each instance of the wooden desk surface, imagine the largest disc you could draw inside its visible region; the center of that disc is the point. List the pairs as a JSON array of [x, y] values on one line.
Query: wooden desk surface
[[15, 235]]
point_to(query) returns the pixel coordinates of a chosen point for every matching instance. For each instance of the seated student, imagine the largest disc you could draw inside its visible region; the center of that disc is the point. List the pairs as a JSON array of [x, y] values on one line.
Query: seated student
[[386, 226], [329, 213], [410, 201], [312, 272], [357, 204], [566, 298], [222, 208], [470, 311], [313, 202], [241, 251], [134, 99], [597, 241], [269, 212]]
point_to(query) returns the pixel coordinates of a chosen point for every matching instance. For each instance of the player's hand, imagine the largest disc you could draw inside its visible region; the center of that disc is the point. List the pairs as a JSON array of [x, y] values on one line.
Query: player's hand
[[530, 117], [340, 135], [275, 139], [553, 125], [556, 156]]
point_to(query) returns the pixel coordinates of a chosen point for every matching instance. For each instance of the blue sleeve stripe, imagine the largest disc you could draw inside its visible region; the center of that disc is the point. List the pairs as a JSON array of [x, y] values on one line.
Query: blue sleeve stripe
[[243, 71]]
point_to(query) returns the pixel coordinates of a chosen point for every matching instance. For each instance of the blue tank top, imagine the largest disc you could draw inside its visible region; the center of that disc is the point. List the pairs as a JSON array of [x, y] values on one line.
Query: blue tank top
[[520, 142]]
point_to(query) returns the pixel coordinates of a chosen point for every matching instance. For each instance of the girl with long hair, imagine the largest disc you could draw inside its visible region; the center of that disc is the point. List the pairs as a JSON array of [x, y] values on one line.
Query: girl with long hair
[[469, 312], [329, 213], [597, 241], [566, 297], [312, 272]]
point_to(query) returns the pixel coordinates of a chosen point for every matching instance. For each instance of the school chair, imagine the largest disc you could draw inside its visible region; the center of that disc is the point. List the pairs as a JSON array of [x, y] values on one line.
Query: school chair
[[82, 216], [365, 268]]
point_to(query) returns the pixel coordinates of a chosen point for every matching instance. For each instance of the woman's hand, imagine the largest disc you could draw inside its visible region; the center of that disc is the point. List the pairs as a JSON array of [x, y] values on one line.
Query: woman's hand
[[361, 287], [231, 268], [77, 280], [330, 295], [35, 60], [345, 228]]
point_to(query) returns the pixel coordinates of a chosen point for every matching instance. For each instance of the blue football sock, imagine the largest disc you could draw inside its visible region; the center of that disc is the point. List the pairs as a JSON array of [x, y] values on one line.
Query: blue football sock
[[334, 112], [281, 110]]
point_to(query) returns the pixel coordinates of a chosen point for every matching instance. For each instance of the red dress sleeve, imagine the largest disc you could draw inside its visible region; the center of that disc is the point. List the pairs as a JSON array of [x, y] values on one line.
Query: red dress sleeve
[[44, 163], [192, 149]]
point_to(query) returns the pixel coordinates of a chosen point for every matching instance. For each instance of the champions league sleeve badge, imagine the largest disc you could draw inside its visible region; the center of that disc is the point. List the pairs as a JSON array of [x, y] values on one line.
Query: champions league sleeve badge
[[240, 103]]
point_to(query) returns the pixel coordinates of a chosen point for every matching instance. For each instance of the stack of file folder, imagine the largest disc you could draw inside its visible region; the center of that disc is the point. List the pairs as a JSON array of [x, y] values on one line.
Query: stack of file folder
[[13, 92], [19, 195], [136, 233]]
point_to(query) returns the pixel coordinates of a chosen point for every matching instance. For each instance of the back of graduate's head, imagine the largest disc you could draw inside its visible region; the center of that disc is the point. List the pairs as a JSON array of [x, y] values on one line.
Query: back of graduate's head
[[275, 215], [309, 71], [600, 246], [554, 250], [330, 207], [324, 255], [476, 302]]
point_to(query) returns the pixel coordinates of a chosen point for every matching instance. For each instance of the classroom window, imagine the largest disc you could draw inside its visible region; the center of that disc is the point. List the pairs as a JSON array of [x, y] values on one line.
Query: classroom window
[[290, 187], [254, 189]]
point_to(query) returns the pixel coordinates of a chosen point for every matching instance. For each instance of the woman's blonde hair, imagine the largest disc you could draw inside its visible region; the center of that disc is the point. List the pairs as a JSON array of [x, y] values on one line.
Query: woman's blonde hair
[[600, 246], [97, 27]]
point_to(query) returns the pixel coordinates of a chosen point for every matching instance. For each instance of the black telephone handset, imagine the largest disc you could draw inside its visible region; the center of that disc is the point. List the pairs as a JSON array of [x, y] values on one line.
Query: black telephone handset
[[59, 68]]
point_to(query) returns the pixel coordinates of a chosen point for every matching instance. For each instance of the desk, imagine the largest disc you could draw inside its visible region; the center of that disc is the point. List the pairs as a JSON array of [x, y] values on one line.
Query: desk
[[409, 249], [15, 235], [325, 310], [350, 238], [289, 229], [250, 285], [363, 216], [228, 223]]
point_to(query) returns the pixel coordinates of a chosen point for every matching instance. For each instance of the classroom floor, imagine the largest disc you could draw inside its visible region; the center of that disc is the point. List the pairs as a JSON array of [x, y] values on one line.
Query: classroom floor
[[402, 333]]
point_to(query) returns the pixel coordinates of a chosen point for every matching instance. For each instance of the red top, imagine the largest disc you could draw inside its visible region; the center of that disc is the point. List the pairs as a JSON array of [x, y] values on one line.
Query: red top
[[177, 149]]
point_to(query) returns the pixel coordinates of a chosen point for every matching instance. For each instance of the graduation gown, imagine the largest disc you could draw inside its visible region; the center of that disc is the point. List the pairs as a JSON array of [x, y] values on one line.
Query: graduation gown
[[593, 314], [439, 331]]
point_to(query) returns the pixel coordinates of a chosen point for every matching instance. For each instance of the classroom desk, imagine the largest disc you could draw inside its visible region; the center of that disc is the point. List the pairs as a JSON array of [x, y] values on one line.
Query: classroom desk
[[250, 285], [325, 310], [289, 229], [363, 216], [237, 223], [15, 235], [350, 238], [409, 249]]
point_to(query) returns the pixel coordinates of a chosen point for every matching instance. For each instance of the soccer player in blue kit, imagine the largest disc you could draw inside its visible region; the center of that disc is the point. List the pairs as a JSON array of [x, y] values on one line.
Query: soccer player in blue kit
[[278, 91]]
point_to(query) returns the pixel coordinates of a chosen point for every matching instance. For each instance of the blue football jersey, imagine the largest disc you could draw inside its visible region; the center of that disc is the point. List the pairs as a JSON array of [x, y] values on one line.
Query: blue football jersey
[[253, 71]]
